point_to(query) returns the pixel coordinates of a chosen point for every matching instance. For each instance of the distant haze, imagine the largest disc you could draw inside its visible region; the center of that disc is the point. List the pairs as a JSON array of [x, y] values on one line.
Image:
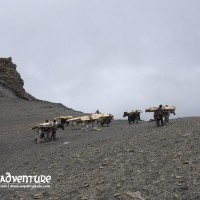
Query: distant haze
[[111, 55]]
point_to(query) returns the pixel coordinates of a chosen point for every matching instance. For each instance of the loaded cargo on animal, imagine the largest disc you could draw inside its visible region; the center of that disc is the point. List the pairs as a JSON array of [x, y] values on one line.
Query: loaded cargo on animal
[[133, 116], [161, 113], [45, 131]]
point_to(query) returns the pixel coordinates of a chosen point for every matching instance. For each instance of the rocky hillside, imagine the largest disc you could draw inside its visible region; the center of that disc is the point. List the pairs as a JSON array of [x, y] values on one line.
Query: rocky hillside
[[11, 83]]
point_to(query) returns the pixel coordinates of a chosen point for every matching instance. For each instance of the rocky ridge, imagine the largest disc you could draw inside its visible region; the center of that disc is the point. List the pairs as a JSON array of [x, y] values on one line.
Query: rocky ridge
[[11, 83]]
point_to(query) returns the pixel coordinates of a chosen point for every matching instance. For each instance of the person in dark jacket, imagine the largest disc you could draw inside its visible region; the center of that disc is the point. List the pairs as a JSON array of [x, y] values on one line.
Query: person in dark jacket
[[97, 112], [54, 129], [158, 116]]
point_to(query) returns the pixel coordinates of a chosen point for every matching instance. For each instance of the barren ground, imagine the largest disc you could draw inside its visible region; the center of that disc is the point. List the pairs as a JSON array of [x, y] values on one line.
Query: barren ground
[[114, 163]]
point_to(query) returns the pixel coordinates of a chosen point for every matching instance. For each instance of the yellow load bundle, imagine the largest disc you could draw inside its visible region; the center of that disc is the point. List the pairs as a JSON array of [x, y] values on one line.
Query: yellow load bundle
[[136, 111], [98, 116], [169, 108], [74, 119], [43, 125], [85, 118], [151, 109], [65, 117], [107, 115]]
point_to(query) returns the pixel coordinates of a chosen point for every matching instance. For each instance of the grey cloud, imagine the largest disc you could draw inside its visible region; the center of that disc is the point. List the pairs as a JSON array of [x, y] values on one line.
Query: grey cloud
[[112, 55]]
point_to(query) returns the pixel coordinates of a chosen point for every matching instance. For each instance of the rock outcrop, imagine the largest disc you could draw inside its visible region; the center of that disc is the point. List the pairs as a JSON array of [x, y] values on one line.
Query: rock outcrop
[[11, 83]]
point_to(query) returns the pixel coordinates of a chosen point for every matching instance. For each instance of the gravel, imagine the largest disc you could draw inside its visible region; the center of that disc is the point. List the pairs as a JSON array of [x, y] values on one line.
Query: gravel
[[138, 161]]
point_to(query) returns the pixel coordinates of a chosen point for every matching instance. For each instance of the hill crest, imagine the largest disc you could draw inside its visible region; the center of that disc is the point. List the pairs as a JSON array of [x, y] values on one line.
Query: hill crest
[[11, 83]]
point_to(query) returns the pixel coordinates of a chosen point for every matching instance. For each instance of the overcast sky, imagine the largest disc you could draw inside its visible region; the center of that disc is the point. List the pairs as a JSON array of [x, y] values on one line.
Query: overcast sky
[[111, 55]]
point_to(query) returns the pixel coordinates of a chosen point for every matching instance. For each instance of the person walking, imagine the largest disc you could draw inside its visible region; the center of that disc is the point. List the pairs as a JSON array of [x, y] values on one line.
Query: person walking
[[158, 116], [167, 114], [54, 130], [97, 112]]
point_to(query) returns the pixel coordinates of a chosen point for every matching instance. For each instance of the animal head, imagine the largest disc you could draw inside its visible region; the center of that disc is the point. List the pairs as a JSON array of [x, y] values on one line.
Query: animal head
[[125, 114], [173, 112]]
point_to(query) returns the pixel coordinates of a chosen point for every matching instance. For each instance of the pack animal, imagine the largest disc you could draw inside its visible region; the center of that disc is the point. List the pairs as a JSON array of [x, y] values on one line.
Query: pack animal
[[132, 117], [105, 120], [167, 114], [162, 115], [44, 133]]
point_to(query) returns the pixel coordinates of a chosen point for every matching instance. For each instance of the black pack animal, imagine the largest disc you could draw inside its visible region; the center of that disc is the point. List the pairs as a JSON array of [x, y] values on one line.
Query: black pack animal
[[61, 126], [132, 117]]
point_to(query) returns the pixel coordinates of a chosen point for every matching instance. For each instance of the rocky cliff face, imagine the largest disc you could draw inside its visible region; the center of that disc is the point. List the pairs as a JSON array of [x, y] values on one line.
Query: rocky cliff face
[[11, 83]]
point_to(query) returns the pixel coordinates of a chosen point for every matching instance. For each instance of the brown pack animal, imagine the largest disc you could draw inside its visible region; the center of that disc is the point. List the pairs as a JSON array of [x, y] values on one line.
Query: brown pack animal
[[106, 119], [132, 116]]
